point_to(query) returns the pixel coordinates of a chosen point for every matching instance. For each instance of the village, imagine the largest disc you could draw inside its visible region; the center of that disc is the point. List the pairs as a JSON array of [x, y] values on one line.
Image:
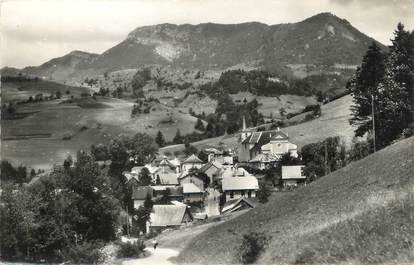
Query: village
[[207, 132], [187, 189]]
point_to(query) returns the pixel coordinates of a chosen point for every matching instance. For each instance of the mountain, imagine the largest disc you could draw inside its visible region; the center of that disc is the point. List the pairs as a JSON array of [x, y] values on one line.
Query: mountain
[[61, 68], [360, 213], [321, 41]]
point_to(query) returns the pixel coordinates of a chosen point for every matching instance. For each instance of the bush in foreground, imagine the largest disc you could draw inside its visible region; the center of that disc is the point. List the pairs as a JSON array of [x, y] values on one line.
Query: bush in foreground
[[85, 253], [252, 246], [131, 250]]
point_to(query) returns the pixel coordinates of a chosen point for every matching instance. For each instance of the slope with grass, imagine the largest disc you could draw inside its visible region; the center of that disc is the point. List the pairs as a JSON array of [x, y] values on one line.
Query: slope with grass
[[51, 130], [360, 213], [21, 91], [334, 121]]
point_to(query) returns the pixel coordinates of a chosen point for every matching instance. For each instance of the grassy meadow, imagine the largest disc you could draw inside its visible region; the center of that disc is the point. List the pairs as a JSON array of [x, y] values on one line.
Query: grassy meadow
[[334, 121], [358, 214], [50, 130]]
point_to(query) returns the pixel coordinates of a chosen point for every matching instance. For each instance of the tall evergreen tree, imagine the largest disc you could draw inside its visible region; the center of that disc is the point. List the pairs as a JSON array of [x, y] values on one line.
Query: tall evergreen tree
[[199, 125], [364, 89], [401, 66], [159, 139]]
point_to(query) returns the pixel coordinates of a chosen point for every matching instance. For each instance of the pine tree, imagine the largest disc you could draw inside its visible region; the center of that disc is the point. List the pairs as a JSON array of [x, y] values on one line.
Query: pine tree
[[199, 125], [392, 109], [145, 177], [401, 65], [364, 89], [159, 139]]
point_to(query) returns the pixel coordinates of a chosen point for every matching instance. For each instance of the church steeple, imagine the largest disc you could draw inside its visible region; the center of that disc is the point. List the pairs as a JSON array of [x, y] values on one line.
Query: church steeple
[[244, 132]]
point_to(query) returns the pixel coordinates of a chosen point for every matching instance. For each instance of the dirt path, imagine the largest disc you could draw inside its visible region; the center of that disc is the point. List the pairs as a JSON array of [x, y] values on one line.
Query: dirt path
[[159, 256]]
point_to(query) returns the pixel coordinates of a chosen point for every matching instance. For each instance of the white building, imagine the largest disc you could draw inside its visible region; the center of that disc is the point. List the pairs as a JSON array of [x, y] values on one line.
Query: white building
[[237, 183], [292, 175]]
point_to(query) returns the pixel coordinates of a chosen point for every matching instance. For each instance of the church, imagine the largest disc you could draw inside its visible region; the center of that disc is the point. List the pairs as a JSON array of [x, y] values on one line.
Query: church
[[262, 149]]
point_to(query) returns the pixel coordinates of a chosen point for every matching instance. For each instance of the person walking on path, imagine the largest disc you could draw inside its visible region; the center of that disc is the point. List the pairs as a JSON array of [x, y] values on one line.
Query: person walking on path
[[155, 244]]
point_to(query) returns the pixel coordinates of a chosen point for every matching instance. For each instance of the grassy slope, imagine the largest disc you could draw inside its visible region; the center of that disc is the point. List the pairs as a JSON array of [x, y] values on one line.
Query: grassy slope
[[334, 121], [362, 212], [23, 90], [86, 121]]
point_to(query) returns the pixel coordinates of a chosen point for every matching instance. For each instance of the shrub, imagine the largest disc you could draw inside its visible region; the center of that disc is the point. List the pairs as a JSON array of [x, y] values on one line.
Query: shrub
[[252, 246], [263, 193], [85, 253], [131, 250]]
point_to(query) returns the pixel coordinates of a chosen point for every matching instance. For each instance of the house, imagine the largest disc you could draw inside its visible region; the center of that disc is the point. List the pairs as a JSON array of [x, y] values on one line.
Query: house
[[140, 194], [131, 180], [166, 166], [292, 175], [174, 193], [236, 205], [212, 170], [265, 160], [275, 142], [240, 186], [192, 193], [167, 178], [190, 178], [229, 172], [168, 216], [191, 162], [279, 144]]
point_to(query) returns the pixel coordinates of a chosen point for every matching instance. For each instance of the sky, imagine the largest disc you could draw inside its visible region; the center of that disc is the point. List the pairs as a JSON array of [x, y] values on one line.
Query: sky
[[35, 31]]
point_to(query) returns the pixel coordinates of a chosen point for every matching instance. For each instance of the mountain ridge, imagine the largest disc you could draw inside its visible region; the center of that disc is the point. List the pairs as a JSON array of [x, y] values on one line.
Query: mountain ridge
[[318, 41]]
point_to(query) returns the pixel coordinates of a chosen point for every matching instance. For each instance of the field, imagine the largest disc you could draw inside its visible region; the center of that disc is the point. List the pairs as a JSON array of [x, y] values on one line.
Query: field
[[53, 129], [362, 213], [332, 122], [271, 106], [20, 91]]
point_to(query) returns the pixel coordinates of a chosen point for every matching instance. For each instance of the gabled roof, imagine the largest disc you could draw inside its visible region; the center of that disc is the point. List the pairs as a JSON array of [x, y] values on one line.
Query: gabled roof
[[166, 163], [191, 188], [168, 215], [261, 138], [176, 162], [240, 183], [234, 205], [168, 178], [140, 193], [193, 159], [131, 177], [136, 170], [293, 172], [266, 158], [209, 165], [278, 135]]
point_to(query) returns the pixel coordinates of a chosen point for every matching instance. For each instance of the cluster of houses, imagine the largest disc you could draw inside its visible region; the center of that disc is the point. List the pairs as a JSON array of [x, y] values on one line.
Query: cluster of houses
[[191, 181]]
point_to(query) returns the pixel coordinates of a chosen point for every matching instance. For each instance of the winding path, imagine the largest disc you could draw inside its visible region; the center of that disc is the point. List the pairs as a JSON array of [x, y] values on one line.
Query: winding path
[[158, 256]]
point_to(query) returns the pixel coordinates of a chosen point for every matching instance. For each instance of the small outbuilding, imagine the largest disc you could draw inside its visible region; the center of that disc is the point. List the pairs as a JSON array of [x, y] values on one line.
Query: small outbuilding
[[293, 175], [192, 193], [169, 216]]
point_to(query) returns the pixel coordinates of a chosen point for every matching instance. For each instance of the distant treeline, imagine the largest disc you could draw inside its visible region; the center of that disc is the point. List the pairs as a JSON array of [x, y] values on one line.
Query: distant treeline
[[261, 83], [19, 78]]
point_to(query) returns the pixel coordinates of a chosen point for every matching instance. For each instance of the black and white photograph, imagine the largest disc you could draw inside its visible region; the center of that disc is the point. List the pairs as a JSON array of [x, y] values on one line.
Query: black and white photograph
[[207, 132]]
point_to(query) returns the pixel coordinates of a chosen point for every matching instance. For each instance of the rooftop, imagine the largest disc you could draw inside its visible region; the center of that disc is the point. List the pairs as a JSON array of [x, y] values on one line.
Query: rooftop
[[240, 183], [191, 188], [167, 215], [193, 159]]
